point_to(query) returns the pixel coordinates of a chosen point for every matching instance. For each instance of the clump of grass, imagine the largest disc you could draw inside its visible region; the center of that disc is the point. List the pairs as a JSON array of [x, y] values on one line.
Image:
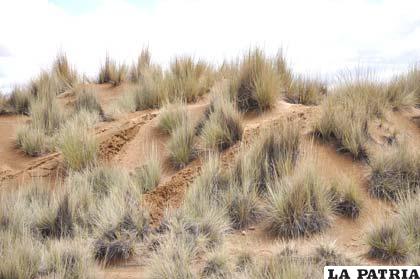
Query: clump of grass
[[388, 243], [69, 259], [284, 266], [242, 203], [19, 101], [47, 115], [78, 146], [32, 141], [173, 260], [149, 93], [223, 127], [346, 197], [258, 84], [307, 91], [394, 171], [181, 145], [172, 116], [345, 124], [217, 266], [20, 256], [273, 155], [88, 101], [148, 175], [244, 261], [187, 79], [143, 62], [112, 73], [284, 71], [67, 76], [328, 254], [120, 221], [56, 220], [299, 206], [400, 94], [409, 217]]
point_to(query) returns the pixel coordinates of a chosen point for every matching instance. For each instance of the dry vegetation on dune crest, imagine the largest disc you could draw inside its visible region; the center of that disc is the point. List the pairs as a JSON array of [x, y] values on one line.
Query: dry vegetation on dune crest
[[257, 84], [111, 72]]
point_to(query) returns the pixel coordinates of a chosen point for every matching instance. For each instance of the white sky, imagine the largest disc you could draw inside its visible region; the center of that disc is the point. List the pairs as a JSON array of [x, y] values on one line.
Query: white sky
[[319, 37]]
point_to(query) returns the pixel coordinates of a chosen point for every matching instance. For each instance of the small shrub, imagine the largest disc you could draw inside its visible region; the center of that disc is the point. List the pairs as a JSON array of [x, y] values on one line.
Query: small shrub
[[223, 127], [172, 116], [300, 206], [258, 84], [388, 243], [394, 171], [181, 145]]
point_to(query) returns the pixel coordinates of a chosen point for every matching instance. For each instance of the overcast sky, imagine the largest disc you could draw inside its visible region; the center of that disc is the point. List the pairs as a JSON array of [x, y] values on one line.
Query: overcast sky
[[319, 37]]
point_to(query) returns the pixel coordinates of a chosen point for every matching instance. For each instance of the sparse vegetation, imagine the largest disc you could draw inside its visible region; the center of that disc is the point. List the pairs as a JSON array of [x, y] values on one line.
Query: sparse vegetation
[[66, 75], [307, 91]]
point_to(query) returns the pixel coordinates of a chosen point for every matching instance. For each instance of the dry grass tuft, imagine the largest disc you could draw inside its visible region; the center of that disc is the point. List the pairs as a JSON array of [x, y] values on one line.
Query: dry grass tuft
[[388, 243], [181, 145], [258, 84], [88, 101], [223, 127], [78, 145], [147, 176], [172, 116], [346, 196], [395, 170], [112, 73], [307, 91], [273, 155], [66, 75], [187, 79], [298, 206]]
